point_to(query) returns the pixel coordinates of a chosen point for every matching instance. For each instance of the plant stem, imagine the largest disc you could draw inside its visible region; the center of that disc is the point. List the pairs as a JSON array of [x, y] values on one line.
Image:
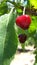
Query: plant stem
[[23, 46], [24, 11]]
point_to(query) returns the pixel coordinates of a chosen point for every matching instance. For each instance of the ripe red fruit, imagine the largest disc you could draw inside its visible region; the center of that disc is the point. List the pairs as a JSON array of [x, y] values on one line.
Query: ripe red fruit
[[23, 21], [22, 38]]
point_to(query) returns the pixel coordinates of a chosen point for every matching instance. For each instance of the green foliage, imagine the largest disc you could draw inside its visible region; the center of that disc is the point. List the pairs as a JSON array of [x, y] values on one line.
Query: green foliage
[[3, 27], [33, 25], [3, 8], [33, 3], [8, 38], [19, 11]]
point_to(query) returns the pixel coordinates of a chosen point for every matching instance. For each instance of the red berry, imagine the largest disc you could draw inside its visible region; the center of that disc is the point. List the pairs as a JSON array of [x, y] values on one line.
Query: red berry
[[23, 21], [22, 38]]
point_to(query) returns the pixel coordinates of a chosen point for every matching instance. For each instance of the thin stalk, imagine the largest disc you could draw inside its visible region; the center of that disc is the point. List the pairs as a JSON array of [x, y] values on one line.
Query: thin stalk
[[24, 11], [23, 46]]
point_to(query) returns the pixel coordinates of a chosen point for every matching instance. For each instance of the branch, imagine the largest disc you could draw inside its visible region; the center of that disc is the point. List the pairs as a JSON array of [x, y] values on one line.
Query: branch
[[31, 11]]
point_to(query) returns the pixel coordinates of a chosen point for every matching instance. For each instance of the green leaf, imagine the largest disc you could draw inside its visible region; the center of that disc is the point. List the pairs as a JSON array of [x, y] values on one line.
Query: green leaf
[[19, 10], [33, 3], [3, 8], [3, 27], [33, 25], [8, 38]]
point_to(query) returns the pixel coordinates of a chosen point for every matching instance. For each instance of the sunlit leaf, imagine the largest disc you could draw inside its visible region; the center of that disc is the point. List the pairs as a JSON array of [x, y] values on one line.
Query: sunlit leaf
[[33, 3], [33, 25], [8, 38]]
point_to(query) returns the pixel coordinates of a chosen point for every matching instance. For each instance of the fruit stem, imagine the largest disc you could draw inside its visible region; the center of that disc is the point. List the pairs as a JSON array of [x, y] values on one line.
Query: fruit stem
[[24, 11], [23, 46]]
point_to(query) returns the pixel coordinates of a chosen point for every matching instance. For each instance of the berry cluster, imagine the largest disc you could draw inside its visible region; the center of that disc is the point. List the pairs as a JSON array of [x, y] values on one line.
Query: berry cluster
[[23, 22]]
